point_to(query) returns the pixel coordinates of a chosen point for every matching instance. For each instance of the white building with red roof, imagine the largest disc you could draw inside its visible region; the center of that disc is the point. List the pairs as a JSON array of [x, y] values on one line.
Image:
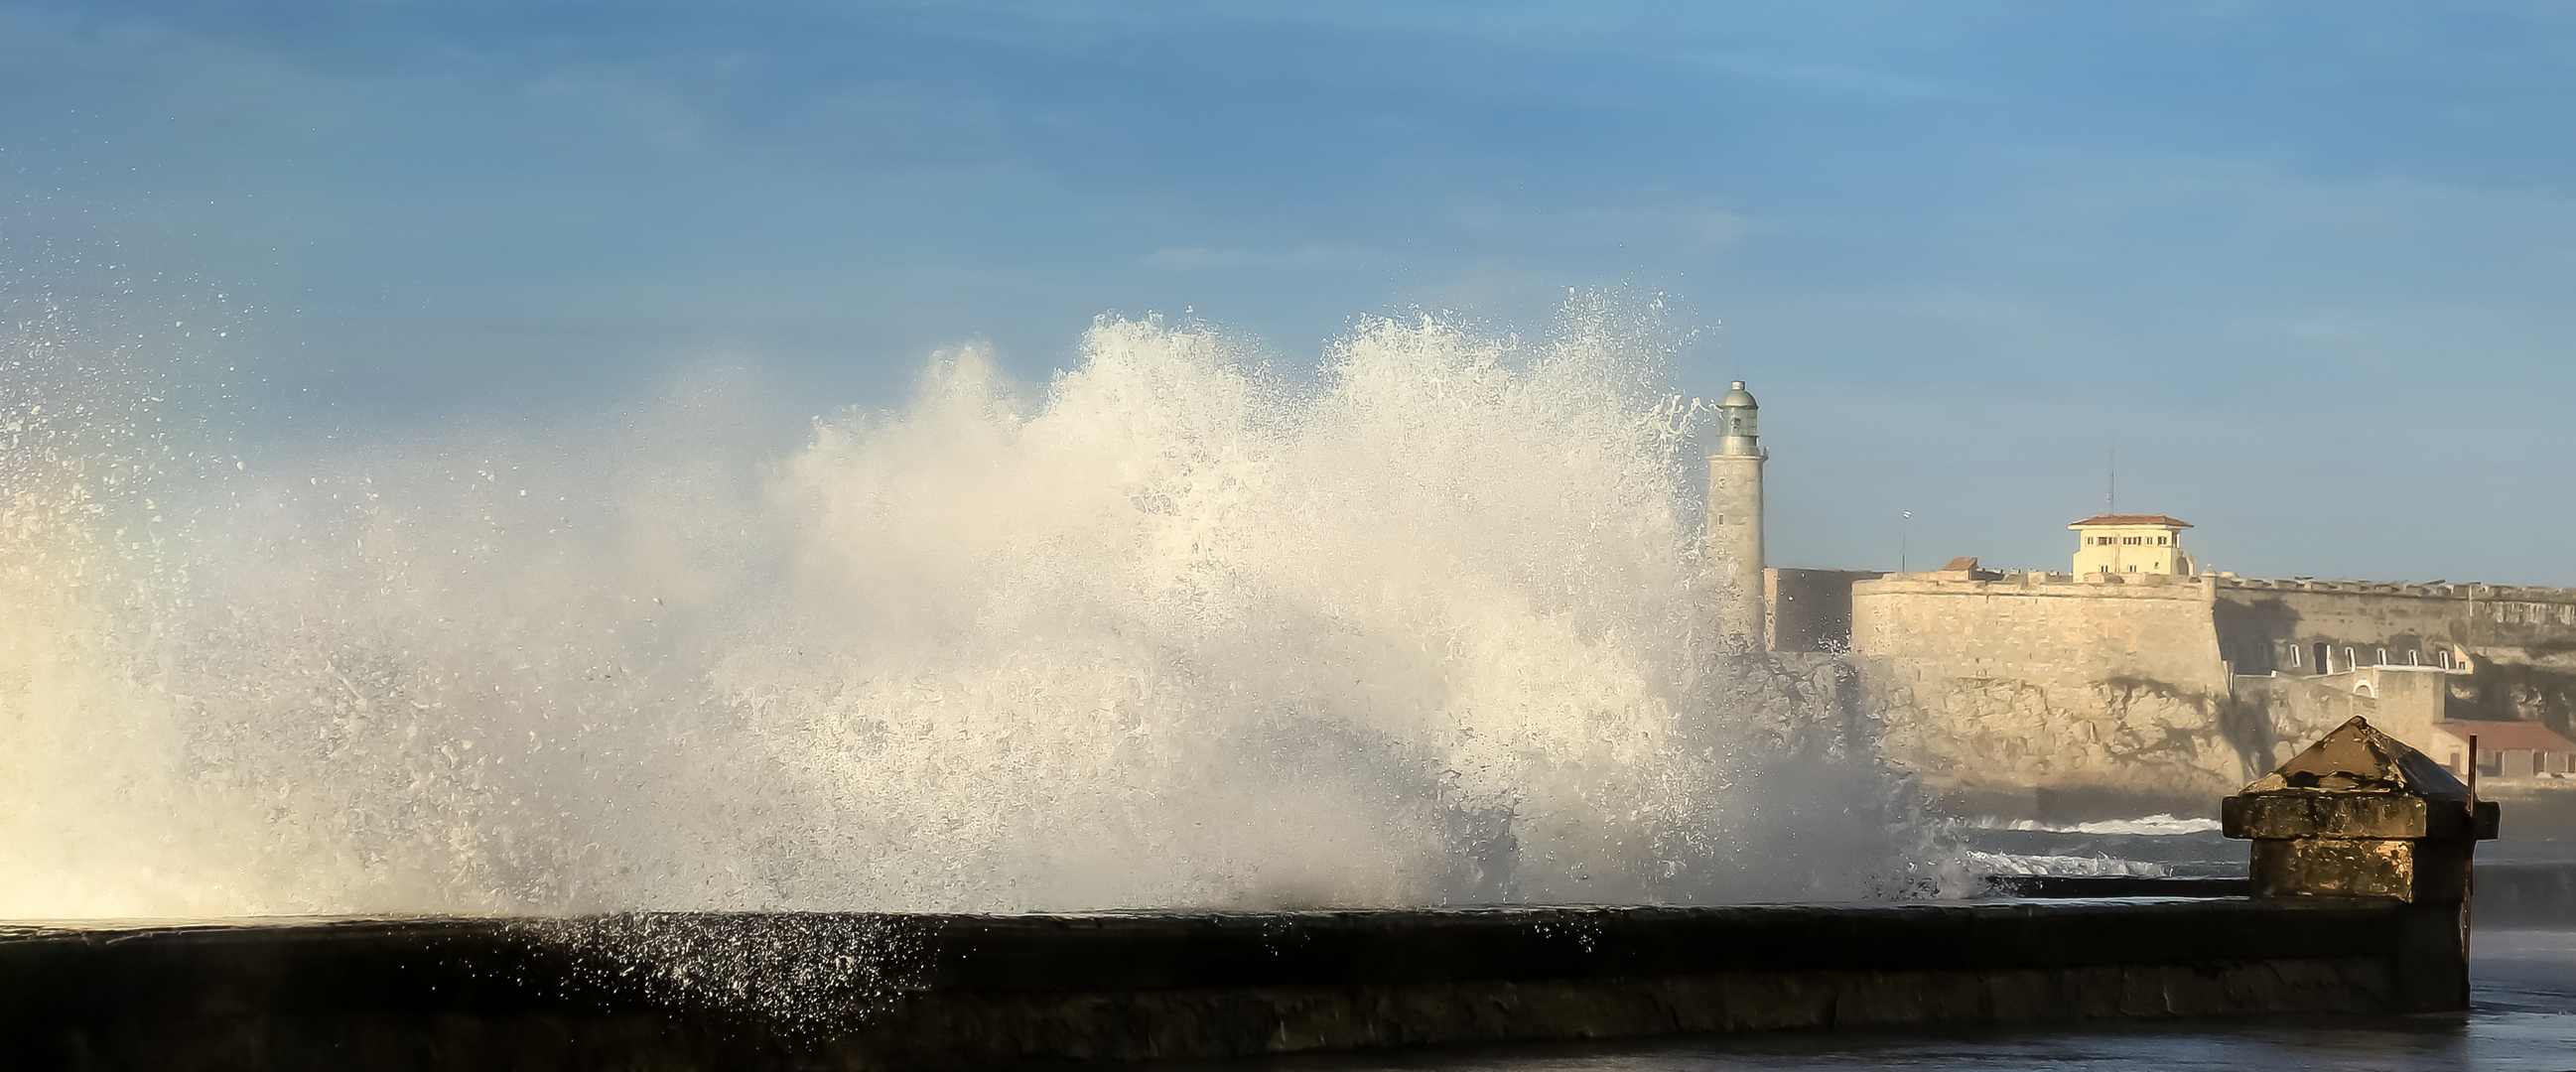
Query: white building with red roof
[[2132, 543], [2504, 749]]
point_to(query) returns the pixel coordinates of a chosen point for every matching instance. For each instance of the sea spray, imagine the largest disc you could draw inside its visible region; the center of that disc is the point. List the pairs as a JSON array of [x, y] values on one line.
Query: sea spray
[[1427, 627]]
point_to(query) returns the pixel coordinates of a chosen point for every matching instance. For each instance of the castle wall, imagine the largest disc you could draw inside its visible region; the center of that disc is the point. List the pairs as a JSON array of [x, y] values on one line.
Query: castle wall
[[2040, 682], [2174, 688], [1810, 609], [2522, 641], [2278, 714]]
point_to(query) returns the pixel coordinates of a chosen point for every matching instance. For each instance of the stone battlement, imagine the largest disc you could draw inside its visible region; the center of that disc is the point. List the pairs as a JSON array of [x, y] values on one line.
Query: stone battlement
[[2032, 582], [2473, 591], [2108, 583], [2146, 683]]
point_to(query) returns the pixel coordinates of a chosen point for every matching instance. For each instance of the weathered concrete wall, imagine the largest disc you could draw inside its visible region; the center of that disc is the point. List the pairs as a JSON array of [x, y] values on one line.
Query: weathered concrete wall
[[2034, 682], [965, 991]]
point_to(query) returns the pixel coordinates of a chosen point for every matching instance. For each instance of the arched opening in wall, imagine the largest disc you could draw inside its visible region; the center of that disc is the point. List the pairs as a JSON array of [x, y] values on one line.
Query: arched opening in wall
[[2294, 657], [2445, 656], [2348, 662], [2383, 658], [2362, 689], [2413, 657], [2325, 659]]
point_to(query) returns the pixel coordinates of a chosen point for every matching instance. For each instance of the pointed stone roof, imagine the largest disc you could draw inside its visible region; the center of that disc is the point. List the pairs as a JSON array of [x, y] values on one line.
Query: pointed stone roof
[[2358, 759]]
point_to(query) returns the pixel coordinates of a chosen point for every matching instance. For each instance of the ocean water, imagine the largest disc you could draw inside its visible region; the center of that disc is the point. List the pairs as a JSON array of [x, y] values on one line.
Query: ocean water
[[2522, 1019]]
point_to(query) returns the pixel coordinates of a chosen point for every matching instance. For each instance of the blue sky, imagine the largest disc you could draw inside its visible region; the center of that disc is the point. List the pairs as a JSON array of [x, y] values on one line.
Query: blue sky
[[2307, 267]]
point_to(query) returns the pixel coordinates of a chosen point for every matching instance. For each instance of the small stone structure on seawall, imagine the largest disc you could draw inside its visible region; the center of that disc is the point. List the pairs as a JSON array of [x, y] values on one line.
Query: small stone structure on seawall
[[2359, 905]]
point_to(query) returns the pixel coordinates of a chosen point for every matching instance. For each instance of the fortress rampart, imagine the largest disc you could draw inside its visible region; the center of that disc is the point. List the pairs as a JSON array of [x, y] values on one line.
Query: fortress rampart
[[2139, 680], [2034, 682], [2143, 691], [2288, 625]]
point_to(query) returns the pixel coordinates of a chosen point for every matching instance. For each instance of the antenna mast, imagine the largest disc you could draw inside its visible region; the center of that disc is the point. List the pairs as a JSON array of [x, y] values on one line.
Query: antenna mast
[[2111, 493]]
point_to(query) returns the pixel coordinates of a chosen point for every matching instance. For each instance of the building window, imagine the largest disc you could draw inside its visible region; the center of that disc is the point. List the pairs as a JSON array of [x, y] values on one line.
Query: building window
[[2383, 656], [2133, 569], [2294, 655]]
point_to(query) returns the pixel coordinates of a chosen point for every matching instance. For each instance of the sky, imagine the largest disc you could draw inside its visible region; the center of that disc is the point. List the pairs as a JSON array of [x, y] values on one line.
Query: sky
[[2303, 269]]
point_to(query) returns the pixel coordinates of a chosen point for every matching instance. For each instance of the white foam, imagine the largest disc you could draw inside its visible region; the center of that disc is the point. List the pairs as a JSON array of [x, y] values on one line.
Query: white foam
[[2159, 825], [1170, 633], [2001, 863]]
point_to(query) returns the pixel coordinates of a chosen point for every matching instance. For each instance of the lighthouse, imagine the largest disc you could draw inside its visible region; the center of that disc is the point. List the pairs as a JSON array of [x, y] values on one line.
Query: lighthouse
[[1735, 521]]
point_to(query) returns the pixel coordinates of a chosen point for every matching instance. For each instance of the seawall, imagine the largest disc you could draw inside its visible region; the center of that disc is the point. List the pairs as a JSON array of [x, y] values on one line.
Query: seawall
[[915, 991]]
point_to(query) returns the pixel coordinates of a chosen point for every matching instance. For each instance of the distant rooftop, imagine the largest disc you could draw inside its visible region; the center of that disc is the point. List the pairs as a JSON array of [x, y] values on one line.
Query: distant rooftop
[[2158, 520], [2508, 736]]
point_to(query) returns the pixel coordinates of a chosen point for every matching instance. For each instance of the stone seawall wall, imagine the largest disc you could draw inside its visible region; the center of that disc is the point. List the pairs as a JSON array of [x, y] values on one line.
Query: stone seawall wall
[[2032, 683], [428, 995]]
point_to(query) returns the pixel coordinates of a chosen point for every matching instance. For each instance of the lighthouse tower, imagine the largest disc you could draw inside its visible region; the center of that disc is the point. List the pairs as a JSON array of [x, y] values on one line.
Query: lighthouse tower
[[1735, 521]]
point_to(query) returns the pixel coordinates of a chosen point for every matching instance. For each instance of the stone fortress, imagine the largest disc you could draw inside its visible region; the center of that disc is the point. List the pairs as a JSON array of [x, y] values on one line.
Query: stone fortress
[[2136, 681]]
